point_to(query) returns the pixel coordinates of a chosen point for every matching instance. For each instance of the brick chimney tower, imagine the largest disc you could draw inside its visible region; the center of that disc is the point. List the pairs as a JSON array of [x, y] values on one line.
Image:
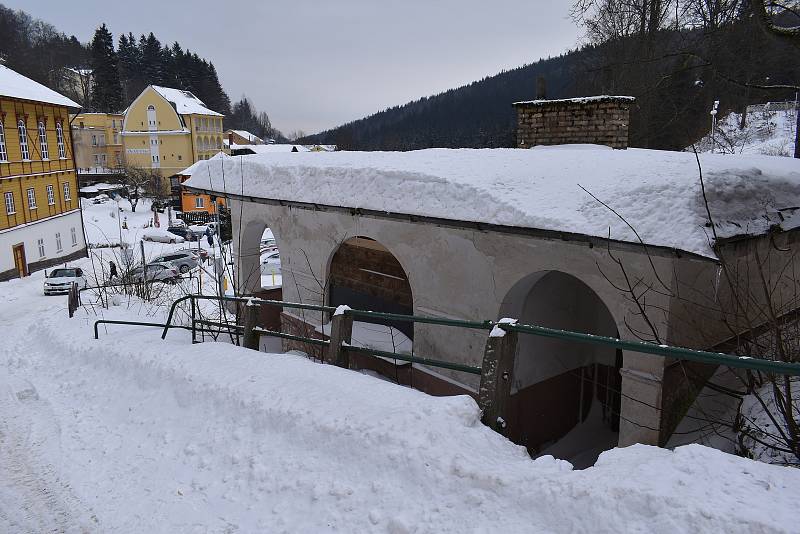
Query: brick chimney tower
[[597, 120]]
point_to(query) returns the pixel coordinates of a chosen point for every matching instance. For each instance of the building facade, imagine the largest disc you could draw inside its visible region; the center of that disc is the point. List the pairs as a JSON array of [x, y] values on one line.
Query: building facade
[[169, 129], [97, 138], [242, 137], [40, 219], [196, 207]]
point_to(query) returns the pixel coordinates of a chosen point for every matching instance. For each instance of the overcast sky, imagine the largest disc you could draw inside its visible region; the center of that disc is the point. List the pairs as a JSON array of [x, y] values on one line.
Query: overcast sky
[[315, 65]]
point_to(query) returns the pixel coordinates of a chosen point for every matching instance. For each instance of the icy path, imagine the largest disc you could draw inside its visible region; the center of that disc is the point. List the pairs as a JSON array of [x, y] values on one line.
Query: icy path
[[134, 434]]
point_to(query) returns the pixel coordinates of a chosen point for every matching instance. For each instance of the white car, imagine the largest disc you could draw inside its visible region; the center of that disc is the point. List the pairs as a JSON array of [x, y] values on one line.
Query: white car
[[161, 236], [271, 262], [183, 260], [60, 280], [155, 272]]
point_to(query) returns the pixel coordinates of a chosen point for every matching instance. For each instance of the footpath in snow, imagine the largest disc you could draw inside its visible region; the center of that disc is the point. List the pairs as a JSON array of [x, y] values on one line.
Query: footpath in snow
[[130, 433]]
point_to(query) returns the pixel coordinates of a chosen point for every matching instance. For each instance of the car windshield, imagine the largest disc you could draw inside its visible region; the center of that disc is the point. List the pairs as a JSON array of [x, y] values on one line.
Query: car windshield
[[63, 273]]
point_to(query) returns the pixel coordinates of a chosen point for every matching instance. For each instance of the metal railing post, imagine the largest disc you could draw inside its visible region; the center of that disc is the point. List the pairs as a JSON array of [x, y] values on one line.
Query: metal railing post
[[341, 333], [194, 330], [496, 378], [251, 336]]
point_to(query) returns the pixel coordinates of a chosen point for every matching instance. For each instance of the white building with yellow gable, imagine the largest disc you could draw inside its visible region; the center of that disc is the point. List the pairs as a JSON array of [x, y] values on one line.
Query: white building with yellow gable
[[169, 129]]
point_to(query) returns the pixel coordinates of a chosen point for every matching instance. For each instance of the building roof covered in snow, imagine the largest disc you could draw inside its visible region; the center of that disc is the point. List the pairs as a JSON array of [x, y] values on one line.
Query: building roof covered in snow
[[546, 188], [191, 169], [185, 102], [252, 138], [15, 85], [271, 148]]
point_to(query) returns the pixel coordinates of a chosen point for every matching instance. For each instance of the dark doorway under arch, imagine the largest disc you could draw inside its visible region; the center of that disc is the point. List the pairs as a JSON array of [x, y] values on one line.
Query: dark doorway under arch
[[365, 275], [566, 395]]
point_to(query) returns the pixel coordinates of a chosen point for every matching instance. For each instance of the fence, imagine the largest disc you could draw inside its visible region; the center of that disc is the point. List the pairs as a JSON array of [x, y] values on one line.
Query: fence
[[496, 370]]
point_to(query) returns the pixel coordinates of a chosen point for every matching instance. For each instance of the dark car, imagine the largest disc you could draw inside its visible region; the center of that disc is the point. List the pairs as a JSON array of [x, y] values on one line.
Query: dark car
[[184, 232]]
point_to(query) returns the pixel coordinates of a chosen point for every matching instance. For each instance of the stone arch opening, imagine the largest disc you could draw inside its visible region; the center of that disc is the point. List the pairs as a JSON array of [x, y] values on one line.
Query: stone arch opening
[[364, 274], [566, 395]]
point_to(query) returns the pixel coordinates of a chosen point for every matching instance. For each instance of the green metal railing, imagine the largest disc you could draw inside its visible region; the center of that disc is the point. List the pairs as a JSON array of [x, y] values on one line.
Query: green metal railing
[[678, 353]]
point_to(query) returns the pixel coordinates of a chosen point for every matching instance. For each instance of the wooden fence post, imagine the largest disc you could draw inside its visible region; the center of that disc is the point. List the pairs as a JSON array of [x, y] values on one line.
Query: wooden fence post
[[496, 378], [251, 337], [341, 332]]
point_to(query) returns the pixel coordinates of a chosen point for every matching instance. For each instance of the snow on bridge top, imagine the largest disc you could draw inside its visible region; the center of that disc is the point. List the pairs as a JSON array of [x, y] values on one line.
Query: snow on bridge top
[[657, 192]]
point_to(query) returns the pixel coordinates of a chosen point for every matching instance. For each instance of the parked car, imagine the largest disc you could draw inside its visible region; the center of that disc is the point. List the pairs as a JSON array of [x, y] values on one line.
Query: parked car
[[154, 272], [161, 236], [60, 280], [201, 253], [271, 262], [182, 232], [182, 260]]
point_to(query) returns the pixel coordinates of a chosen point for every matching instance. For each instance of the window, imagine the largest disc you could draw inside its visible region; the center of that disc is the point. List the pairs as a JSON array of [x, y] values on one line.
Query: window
[[62, 152], [23, 140], [199, 202], [180, 158], [40, 244], [94, 140], [31, 198], [74, 235], [59, 248], [51, 198], [97, 160], [3, 152], [66, 191], [43, 141], [10, 210]]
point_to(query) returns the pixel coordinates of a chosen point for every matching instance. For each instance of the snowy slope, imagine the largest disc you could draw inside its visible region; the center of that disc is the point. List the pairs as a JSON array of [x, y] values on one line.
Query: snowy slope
[[769, 129], [658, 192], [133, 434]]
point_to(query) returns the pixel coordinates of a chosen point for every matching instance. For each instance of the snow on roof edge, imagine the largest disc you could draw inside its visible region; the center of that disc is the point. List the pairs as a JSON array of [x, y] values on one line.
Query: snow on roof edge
[[577, 100], [656, 191], [15, 85]]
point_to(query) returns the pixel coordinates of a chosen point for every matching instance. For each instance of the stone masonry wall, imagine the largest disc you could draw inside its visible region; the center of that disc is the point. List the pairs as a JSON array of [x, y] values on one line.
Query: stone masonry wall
[[596, 120]]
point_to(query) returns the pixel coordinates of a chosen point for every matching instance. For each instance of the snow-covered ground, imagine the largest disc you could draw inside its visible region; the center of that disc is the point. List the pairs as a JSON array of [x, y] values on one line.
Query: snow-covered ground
[[133, 434], [769, 129]]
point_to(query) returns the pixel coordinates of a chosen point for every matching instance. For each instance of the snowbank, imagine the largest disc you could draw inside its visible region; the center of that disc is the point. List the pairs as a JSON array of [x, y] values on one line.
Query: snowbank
[[658, 192]]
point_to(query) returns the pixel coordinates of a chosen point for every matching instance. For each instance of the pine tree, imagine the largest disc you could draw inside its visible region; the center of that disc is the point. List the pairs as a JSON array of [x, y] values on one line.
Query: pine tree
[[107, 92], [152, 60], [130, 64]]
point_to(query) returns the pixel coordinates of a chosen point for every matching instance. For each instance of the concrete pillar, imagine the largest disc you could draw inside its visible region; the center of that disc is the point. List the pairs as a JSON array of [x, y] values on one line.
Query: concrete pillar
[[640, 409]]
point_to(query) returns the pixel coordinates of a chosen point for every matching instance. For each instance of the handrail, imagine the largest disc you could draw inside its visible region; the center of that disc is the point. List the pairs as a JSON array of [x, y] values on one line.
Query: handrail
[[132, 323], [416, 359], [681, 353]]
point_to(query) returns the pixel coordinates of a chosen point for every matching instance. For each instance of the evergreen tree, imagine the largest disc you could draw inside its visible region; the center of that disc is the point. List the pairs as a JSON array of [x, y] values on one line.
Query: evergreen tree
[[152, 60], [130, 67], [107, 91]]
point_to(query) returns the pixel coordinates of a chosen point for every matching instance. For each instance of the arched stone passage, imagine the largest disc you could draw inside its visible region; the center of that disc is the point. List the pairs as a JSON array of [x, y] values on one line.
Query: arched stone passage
[[253, 245], [365, 275], [565, 397]]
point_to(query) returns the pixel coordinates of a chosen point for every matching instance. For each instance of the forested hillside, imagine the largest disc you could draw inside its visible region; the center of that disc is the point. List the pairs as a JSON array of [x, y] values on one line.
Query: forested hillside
[[675, 67], [104, 76]]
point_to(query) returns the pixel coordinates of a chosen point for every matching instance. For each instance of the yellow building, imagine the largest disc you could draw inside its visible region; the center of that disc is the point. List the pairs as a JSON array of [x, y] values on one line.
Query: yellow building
[[40, 218], [98, 142], [169, 129]]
